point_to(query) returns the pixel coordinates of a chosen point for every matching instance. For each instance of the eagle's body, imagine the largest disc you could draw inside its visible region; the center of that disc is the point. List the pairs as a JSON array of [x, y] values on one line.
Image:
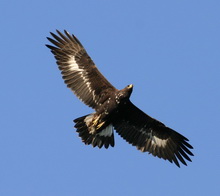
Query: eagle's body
[[97, 128], [113, 108]]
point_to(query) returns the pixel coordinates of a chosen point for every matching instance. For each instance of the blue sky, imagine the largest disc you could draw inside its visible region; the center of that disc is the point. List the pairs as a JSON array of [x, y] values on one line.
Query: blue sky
[[168, 49]]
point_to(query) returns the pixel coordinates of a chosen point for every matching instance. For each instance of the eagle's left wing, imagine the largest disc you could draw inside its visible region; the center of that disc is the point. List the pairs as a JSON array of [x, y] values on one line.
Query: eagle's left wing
[[79, 71], [150, 135]]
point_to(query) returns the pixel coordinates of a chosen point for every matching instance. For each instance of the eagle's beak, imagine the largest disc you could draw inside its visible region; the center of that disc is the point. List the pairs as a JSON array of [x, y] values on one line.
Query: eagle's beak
[[130, 86]]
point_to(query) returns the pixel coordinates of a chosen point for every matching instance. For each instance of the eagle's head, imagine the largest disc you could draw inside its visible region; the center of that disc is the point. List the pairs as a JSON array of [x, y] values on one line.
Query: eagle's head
[[129, 89], [126, 92]]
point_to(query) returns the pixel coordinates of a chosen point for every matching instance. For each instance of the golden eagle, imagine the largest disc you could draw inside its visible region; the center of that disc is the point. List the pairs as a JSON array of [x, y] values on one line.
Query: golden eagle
[[113, 108]]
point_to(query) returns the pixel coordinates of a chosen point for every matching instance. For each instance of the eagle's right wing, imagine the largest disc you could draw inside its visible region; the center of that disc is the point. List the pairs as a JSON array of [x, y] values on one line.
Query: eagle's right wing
[[78, 70], [150, 135]]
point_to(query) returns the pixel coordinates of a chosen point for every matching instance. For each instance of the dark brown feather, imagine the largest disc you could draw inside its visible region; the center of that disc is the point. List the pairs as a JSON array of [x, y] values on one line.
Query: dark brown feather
[[148, 134], [78, 70]]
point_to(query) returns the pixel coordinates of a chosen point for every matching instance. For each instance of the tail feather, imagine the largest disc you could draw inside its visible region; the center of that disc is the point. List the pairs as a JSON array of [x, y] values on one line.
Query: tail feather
[[102, 138]]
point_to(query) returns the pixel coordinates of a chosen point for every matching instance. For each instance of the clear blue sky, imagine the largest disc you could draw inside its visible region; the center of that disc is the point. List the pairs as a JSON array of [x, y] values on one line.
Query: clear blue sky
[[168, 49]]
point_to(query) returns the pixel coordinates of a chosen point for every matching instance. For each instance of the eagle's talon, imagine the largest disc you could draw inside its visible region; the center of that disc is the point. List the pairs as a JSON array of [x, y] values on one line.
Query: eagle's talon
[[95, 121], [100, 125]]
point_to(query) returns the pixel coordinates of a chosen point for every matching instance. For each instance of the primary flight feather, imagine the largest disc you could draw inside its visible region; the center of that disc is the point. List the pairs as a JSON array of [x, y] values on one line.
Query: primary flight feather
[[113, 108]]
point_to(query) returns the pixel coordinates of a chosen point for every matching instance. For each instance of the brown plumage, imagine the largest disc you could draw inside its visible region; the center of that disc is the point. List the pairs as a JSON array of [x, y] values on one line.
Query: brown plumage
[[113, 108]]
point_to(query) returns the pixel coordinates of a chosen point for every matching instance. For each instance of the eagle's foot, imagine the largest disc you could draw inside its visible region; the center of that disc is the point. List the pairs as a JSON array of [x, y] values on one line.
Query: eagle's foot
[[100, 125], [95, 121]]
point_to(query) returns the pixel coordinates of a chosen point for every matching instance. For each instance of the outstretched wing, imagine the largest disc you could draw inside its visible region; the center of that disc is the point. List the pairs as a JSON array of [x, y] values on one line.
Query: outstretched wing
[[150, 135], [78, 70]]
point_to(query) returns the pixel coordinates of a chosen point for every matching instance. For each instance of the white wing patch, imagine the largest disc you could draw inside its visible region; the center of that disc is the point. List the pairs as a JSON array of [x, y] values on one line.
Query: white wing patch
[[107, 132], [159, 142], [73, 66], [155, 140]]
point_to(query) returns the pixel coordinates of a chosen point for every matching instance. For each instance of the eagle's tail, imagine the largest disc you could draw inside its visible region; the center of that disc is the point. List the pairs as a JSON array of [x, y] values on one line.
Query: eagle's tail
[[88, 134]]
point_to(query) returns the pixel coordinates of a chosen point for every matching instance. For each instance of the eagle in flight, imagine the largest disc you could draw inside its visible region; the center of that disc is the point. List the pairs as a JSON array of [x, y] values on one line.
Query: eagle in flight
[[113, 108]]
